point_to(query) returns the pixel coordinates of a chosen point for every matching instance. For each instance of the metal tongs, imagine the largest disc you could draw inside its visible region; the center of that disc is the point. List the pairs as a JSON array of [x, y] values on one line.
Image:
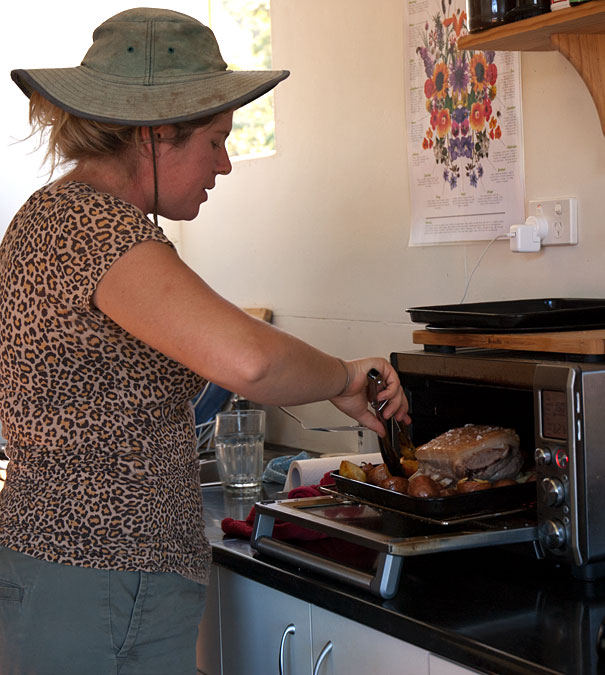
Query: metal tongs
[[398, 436], [346, 427]]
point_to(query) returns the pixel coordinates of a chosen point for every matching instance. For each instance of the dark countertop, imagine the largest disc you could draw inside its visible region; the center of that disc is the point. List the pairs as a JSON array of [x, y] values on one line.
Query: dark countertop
[[498, 610]]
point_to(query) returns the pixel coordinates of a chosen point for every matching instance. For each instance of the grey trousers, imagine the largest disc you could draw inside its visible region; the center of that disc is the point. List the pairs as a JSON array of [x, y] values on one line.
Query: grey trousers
[[63, 620]]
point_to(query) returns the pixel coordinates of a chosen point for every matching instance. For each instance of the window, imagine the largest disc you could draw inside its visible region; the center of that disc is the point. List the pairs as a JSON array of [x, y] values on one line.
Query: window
[[243, 31]]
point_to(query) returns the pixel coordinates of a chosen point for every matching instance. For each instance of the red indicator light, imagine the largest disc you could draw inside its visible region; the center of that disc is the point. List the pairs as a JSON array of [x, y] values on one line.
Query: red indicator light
[[561, 458]]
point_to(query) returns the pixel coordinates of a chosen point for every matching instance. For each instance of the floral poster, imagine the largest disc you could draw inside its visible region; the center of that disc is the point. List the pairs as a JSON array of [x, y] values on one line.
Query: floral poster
[[465, 143]]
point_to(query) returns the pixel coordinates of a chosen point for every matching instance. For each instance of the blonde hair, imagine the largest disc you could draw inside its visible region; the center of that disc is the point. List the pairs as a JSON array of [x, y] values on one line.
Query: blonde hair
[[72, 139]]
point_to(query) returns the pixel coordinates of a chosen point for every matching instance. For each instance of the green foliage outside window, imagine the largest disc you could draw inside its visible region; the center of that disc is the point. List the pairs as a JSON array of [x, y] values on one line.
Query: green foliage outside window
[[243, 29]]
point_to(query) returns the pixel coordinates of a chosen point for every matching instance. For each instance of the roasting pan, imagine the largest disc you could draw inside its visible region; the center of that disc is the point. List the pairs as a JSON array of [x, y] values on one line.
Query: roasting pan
[[510, 497], [538, 314]]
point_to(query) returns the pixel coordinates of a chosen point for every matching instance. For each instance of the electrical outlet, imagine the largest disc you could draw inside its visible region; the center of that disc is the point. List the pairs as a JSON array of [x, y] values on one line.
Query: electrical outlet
[[562, 218]]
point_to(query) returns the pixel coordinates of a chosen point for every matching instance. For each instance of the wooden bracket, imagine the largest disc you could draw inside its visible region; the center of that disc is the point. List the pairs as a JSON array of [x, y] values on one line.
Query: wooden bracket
[[586, 53]]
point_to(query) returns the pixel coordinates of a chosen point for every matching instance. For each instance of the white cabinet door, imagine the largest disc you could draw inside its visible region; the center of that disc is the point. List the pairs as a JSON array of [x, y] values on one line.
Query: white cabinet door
[[209, 634], [359, 650], [256, 621], [439, 666]]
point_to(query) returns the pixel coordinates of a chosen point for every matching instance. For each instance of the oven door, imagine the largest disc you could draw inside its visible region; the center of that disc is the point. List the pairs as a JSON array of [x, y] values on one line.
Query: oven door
[[391, 535]]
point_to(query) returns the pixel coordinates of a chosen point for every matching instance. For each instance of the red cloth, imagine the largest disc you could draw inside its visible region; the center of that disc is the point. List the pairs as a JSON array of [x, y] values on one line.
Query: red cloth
[[281, 530], [316, 542]]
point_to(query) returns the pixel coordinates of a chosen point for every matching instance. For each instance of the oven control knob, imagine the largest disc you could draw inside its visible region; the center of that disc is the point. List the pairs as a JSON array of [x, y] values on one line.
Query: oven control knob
[[552, 534], [553, 491], [543, 456]]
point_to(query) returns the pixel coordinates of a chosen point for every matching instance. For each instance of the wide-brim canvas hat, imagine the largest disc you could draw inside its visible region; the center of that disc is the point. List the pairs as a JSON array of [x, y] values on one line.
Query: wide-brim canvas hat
[[148, 67]]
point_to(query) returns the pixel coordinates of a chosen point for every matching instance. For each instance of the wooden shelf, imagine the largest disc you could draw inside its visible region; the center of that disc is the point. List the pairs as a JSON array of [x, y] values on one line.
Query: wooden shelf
[[576, 32]]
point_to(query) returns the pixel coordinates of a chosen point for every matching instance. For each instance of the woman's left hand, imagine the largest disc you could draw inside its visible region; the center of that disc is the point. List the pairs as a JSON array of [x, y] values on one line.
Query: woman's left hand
[[354, 399]]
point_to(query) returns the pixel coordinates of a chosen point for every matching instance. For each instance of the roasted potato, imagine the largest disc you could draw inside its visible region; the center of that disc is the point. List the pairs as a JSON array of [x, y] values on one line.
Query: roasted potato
[[395, 483], [350, 470], [409, 466], [423, 486], [367, 467], [406, 451], [378, 473]]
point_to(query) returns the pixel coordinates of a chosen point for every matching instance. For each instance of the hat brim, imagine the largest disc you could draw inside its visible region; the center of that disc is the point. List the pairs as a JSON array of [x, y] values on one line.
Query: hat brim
[[88, 94]]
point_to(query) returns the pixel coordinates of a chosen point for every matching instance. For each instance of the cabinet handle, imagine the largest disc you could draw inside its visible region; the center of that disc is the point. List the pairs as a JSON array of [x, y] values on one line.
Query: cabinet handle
[[289, 630], [320, 659]]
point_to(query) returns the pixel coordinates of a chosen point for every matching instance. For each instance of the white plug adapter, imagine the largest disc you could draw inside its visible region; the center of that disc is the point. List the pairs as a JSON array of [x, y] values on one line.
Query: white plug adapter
[[527, 238]]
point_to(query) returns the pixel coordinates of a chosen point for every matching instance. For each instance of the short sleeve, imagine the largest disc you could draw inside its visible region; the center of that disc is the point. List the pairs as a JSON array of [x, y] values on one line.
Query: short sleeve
[[93, 230]]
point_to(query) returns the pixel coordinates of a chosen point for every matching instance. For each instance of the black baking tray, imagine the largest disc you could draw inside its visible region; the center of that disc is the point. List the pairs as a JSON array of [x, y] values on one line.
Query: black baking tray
[[535, 314], [497, 499]]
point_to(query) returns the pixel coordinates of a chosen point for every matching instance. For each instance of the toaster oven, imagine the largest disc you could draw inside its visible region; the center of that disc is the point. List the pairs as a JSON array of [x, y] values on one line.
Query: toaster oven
[[555, 402], [556, 405]]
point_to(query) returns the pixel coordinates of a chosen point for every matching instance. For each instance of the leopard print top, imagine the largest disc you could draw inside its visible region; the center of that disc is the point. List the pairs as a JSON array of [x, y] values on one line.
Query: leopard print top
[[102, 471]]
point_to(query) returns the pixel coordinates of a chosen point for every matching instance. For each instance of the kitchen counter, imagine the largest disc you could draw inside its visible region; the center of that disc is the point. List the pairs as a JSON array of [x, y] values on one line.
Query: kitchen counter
[[495, 610]]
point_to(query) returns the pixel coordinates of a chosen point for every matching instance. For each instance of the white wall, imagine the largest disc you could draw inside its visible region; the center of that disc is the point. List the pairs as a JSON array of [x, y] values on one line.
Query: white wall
[[319, 232]]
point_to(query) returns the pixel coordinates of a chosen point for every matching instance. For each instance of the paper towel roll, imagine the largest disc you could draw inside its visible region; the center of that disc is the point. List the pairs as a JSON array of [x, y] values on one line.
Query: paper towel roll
[[311, 471]]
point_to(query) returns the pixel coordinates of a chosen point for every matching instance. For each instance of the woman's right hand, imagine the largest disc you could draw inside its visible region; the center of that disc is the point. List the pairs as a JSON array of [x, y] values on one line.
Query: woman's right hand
[[354, 399]]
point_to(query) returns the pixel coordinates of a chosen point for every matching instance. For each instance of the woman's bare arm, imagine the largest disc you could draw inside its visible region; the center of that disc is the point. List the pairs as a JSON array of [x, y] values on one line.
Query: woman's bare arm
[[153, 295]]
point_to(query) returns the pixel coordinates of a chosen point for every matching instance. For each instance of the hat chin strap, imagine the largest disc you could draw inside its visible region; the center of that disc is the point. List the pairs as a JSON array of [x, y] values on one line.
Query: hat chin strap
[[155, 179]]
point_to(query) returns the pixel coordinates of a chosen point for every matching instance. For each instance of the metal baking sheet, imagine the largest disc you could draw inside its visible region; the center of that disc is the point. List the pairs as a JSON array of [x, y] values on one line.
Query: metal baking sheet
[[547, 314], [496, 499]]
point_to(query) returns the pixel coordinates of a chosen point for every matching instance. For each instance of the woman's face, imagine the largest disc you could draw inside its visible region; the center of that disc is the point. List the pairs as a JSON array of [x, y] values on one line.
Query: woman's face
[[186, 172]]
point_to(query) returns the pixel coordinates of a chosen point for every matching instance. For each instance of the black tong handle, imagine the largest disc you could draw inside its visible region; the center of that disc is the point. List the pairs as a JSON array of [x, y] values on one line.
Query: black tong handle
[[390, 454]]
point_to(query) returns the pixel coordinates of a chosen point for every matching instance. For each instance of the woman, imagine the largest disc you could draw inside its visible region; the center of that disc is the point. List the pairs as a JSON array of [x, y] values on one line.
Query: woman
[[105, 337]]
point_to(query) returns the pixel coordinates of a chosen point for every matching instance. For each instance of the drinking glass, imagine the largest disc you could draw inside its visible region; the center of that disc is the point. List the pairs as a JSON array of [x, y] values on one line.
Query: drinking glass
[[239, 438]]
